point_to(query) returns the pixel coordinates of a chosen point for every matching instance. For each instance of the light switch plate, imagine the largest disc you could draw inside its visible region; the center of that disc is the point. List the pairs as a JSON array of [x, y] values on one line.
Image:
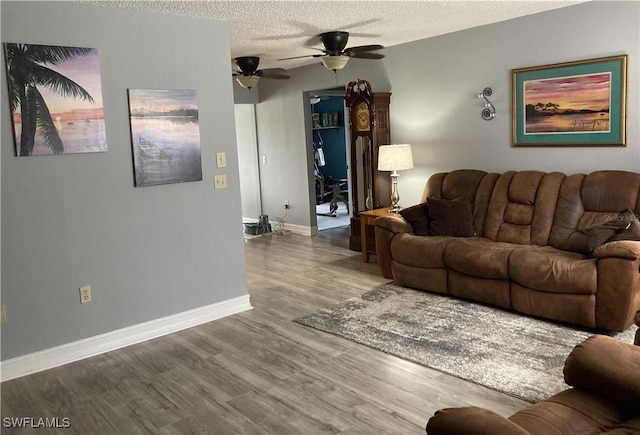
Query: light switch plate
[[221, 160]]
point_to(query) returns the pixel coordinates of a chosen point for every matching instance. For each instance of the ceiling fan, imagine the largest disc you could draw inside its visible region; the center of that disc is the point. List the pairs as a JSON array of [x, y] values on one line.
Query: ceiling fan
[[315, 99], [248, 74], [335, 56]]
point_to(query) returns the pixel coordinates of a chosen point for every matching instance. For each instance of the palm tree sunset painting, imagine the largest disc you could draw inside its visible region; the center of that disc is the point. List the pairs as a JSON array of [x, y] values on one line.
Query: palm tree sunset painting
[[571, 104], [55, 97]]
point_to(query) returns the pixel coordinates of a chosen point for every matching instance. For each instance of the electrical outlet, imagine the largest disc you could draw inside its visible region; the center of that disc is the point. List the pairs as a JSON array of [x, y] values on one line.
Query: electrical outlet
[[221, 160], [220, 182], [286, 204], [3, 314], [85, 294]]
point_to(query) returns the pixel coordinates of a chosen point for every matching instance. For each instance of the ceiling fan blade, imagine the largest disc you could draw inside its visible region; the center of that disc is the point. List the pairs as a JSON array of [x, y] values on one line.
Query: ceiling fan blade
[[273, 70], [364, 35], [273, 73], [300, 57], [361, 24], [366, 55], [361, 48], [274, 76]]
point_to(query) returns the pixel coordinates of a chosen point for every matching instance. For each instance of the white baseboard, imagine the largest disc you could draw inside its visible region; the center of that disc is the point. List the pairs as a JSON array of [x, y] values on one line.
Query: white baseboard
[[70, 352], [296, 229]]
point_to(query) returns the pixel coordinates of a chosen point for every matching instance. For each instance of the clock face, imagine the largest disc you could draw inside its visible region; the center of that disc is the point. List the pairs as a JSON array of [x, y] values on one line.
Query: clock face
[[362, 120]]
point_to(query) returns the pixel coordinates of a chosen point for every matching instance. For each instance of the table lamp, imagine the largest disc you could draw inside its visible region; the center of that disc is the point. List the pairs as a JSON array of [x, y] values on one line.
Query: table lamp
[[395, 158]]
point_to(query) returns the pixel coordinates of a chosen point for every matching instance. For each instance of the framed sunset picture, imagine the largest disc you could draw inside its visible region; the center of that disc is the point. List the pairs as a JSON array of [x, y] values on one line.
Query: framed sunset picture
[[580, 103], [55, 97]]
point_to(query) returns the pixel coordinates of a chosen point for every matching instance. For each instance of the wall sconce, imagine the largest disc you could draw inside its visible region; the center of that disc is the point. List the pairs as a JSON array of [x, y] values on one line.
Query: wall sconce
[[489, 111]]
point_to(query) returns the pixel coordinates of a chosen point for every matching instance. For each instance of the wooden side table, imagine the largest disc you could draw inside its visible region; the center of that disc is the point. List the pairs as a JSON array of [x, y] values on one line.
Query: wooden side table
[[368, 217]]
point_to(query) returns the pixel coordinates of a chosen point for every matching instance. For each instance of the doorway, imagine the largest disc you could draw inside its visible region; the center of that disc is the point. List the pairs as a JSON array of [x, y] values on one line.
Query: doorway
[[331, 171]]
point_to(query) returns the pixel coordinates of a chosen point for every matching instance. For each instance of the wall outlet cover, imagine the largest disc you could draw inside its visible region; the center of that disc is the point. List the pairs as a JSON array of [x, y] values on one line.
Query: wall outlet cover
[[220, 182], [85, 294]]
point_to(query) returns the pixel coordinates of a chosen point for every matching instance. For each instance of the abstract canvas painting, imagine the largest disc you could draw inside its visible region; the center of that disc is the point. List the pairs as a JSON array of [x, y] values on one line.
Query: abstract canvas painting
[[165, 136], [55, 97]]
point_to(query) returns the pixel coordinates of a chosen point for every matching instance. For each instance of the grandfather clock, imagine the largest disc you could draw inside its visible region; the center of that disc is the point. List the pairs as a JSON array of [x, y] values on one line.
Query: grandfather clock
[[368, 129]]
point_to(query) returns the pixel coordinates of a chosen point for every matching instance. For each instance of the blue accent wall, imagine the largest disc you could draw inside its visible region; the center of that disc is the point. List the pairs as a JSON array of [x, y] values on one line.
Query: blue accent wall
[[334, 144]]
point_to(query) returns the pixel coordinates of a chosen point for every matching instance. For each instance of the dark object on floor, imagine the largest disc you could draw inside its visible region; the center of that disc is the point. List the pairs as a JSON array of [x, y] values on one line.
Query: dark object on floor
[[605, 376]]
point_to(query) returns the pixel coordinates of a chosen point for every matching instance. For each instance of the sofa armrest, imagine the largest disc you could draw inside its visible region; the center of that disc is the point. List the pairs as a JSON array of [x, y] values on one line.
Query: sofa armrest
[[387, 227], [626, 249], [471, 420], [394, 224], [608, 367], [618, 295]]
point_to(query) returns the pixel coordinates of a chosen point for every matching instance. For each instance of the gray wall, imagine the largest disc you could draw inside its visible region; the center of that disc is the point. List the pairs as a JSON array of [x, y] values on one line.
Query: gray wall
[[248, 161], [434, 104], [435, 108], [75, 220], [283, 119]]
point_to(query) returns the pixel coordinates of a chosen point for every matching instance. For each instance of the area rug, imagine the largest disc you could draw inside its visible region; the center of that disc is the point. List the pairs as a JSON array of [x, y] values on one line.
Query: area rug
[[508, 352]]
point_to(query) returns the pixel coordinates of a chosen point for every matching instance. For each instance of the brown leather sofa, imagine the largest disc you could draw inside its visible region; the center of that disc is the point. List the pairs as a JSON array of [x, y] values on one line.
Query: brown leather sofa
[[605, 399], [529, 247]]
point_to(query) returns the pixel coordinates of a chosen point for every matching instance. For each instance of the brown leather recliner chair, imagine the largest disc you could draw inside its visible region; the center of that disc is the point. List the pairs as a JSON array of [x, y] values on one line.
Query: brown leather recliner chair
[[605, 399]]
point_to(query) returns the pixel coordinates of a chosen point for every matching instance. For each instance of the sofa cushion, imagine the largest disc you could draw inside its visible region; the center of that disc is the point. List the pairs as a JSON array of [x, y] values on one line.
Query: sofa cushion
[[586, 201], [522, 207], [450, 217], [570, 412], [418, 217], [471, 420], [549, 269], [478, 185], [631, 426], [479, 257]]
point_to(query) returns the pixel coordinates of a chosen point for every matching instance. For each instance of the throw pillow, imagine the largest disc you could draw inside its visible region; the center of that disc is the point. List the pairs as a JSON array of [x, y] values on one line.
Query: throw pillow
[[450, 217], [418, 217], [624, 226]]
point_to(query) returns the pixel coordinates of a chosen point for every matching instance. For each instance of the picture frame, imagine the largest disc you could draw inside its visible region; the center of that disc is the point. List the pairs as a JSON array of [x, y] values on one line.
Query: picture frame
[[55, 98], [579, 103], [165, 136]]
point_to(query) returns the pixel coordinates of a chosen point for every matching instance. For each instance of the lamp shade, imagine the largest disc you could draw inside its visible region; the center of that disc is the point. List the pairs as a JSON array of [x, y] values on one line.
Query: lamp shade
[[248, 81], [334, 62], [395, 157]]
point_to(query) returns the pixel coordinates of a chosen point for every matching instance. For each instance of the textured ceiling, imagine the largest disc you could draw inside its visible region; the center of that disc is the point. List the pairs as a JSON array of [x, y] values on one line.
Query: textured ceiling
[[278, 29]]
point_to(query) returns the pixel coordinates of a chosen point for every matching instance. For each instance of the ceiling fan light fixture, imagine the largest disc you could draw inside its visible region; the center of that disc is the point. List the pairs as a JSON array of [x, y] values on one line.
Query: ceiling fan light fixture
[[248, 81], [335, 62]]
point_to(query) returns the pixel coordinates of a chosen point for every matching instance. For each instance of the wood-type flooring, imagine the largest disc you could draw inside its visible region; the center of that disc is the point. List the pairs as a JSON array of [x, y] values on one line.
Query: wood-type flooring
[[256, 372]]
